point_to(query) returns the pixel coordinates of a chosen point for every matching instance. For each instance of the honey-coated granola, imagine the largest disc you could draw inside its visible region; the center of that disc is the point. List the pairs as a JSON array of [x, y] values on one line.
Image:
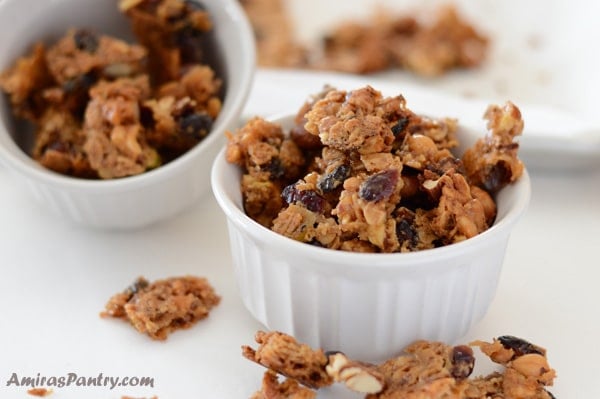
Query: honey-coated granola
[[105, 108], [362, 172], [425, 370], [426, 46], [161, 307]]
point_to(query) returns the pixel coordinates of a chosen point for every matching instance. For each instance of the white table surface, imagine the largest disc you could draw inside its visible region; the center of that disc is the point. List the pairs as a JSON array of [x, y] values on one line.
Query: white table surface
[[56, 277]]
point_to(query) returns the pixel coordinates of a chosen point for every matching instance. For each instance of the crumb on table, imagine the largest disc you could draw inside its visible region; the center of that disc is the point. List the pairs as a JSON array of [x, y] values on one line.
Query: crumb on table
[[163, 306]]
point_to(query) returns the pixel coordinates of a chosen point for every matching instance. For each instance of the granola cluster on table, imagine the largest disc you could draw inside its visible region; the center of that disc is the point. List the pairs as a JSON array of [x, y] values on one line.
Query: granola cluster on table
[[425, 370], [362, 172], [426, 46], [161, 307], [105, 108]]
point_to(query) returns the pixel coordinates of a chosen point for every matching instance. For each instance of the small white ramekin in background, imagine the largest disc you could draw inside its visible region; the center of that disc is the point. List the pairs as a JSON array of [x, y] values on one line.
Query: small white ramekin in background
[[137, 200], [369, 306]]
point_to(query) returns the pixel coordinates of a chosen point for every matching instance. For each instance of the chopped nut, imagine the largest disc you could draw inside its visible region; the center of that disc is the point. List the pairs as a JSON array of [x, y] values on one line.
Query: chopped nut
[[358, 376]]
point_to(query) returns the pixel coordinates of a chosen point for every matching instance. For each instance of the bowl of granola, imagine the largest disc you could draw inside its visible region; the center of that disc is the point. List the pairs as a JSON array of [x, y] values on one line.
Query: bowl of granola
[[113, 111], [358, 225]]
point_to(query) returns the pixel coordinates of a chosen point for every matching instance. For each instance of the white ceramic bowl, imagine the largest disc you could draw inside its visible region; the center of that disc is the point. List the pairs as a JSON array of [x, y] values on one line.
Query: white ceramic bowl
[[367, 305], [138, 200]]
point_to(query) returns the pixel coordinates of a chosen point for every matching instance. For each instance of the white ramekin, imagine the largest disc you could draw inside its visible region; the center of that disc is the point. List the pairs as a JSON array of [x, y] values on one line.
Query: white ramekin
[[138, 200], [369, 306]]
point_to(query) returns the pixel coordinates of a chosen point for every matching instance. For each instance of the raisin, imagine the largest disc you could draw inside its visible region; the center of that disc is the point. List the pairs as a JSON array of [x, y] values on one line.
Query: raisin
[[379, 186], [57, 146], [463, 362], [79, 83], [86, 41], [137, 286], [275, 169], [520, 346], [310, 199], [195, 5], [335, 179], [497, 177], [189, 42], [147, 117], [196, 125], [399, 126], [406, 232]]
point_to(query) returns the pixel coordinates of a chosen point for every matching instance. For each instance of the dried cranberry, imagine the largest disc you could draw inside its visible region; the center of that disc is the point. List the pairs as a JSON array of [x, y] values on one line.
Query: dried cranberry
[[335, 179], [519, 345], [463, 362], [86, 40], [379, 186], [196, 125], [310, 199]]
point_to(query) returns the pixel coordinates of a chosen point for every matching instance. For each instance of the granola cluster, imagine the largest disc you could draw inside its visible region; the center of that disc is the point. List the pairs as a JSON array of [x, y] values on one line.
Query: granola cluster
[[431, 47], [362, 172], [104, 108], [161, 307], [426, 369]]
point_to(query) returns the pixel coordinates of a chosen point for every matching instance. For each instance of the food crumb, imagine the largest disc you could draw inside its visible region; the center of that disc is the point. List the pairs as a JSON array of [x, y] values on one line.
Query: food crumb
[[41, 392], [161, 307]]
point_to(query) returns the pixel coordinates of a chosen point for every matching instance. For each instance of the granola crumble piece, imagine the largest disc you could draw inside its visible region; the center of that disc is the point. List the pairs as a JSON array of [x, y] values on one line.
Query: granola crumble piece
[[115, 142], [261, 198], [84, 53], [173, 31], [448, 43], [355, 47], [458, 215], [288, 389], [403, 41], [199, 84], [425, 369], [274, 33], [24, 82], [183, 112], [283, 354], [527, 372], [161, 307], [270, 162], [360, 120], [492, 162], [59, 144]]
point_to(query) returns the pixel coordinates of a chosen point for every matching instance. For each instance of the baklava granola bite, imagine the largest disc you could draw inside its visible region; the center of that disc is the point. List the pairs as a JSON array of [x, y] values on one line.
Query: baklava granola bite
[[161, 307], [362, 172], [425, 369], [104, 108]]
